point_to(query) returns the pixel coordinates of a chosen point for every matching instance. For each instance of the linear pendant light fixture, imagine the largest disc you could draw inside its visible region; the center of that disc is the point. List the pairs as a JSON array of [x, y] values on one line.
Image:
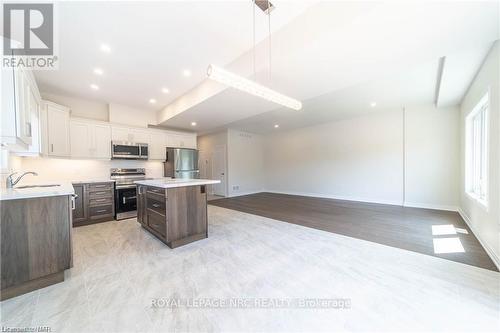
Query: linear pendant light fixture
[[230, 79], [239, 82]]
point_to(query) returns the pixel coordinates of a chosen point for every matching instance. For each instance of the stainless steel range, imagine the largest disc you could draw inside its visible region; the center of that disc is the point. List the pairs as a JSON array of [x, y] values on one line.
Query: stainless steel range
[[125, 191]]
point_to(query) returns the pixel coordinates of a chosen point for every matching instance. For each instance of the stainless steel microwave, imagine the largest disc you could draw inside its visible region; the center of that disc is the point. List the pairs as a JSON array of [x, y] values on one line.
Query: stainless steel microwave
[[129, 150]]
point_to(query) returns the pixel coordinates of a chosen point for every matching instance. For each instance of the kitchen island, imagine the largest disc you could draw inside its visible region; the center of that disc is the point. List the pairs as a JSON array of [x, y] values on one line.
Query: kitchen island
[[174, 210]]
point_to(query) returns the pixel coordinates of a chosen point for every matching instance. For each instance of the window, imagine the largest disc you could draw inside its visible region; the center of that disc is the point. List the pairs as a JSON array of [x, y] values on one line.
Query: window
[[476, 181]]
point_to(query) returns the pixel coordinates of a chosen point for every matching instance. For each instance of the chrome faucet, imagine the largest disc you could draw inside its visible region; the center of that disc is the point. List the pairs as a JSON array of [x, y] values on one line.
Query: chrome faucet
[[10, 182]]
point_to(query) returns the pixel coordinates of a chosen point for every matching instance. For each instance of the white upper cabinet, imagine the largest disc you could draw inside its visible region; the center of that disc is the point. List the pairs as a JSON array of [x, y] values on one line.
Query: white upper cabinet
[[102, 141], [90, 140], [80, 139], [121, 134], [20, 110], [58, 129], [141, 136], [127, 134], [157, 145], [179, 140]]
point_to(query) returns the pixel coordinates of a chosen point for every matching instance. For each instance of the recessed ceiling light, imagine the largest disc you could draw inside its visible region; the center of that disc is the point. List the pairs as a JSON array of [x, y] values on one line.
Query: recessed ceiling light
[[105, 48], [276, 126], [94, 86], [193, 123], [373, 104], [98, 71], [165, 90], [152, 101], [186, 72]]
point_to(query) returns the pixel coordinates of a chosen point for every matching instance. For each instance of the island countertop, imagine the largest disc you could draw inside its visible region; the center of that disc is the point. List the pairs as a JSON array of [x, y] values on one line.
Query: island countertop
[[175, 182]]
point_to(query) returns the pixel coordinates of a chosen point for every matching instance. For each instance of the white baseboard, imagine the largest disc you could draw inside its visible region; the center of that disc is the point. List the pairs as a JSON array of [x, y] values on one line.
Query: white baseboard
[[487, 248], [337, 197], [244, 193], [430, 206]]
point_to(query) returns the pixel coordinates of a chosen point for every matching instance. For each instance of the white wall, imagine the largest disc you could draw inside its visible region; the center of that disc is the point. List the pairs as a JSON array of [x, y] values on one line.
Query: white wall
[[206, 145], [245, 160], [362, 158], [354, 159], [432, 157], [55, 169], [126, 115], [83, 108], [485, 222]]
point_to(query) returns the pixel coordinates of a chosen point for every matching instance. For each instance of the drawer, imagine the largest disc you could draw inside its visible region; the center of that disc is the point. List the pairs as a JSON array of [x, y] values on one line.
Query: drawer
[[157, 191], [100, 186], [99, 193], [100, 211], [157, 222], [100, 201], [158, 206]]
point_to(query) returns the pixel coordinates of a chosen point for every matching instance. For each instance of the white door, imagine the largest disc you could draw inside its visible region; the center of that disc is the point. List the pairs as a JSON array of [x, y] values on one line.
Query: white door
[[204, 165], [101, 141], [80, 139], [219, 170], [58, 131]]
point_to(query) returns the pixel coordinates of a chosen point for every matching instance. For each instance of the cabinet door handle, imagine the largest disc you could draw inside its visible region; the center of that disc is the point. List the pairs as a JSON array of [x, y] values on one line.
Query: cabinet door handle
[[156, 205], [101, 211], [73, 203], [100, 200], [51, 147], [100, 186]]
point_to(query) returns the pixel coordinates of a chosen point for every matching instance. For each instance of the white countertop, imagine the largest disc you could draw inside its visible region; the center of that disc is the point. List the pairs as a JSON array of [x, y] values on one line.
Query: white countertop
[[176, 182], [64, 188]]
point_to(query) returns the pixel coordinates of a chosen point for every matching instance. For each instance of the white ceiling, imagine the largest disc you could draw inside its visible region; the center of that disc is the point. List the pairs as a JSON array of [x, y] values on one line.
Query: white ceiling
[[151, 44], [336, 56], [357, 52]]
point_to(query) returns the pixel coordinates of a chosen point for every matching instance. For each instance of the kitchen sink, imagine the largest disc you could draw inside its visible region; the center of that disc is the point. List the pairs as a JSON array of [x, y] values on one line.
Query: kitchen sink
[[35, 186]]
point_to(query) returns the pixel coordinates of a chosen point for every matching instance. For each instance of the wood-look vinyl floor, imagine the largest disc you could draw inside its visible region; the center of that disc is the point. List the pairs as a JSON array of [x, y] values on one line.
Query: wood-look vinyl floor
[[396, 226]]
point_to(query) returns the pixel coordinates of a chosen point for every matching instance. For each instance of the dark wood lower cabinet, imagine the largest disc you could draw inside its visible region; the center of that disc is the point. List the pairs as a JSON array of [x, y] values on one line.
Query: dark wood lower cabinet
[[35, 243], [80, 212], [176, 216], [94, 204]]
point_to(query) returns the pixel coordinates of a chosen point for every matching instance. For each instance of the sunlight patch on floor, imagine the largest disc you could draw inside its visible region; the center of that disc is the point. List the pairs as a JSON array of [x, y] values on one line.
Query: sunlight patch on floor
[[443, 229], [447, 245]]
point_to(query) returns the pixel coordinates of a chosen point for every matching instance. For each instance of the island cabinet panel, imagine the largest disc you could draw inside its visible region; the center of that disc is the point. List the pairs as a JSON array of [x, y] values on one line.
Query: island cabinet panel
[[36, 243], [187, 211], [176, 216]]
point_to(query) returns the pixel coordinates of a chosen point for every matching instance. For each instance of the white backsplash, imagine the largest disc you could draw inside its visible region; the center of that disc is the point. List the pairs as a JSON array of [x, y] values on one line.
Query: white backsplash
[[55, 169]]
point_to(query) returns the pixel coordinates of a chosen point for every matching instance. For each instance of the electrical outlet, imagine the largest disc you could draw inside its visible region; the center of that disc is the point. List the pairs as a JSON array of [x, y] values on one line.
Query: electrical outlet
[[236, 187]]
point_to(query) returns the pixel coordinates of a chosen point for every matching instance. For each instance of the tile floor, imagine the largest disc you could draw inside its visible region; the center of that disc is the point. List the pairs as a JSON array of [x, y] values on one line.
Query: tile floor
[[120, 270]]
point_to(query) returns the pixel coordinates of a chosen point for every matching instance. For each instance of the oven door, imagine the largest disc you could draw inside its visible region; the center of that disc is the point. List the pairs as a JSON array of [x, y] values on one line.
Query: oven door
[[126, 151], [126, 202]]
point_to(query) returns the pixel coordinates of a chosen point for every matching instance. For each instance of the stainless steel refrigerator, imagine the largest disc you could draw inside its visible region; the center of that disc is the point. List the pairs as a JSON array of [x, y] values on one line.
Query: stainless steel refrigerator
[[181, 163]]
